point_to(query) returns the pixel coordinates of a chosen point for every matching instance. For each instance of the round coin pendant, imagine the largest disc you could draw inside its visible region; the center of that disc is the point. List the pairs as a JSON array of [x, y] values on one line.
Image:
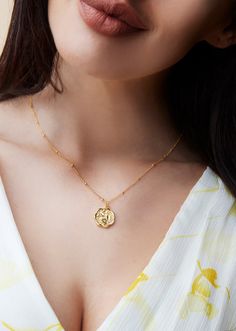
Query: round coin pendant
[[104, 217]]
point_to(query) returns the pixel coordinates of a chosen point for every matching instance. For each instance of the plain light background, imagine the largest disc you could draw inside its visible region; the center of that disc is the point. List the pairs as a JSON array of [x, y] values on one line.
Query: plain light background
[[5, 15]]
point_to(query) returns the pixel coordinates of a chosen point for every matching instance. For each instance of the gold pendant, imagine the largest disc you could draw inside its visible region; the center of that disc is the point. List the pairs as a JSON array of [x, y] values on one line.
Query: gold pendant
[[105, 217]]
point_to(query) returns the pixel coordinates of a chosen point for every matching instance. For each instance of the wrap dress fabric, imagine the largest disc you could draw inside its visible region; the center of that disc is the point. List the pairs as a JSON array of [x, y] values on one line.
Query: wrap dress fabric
[[189, 282]]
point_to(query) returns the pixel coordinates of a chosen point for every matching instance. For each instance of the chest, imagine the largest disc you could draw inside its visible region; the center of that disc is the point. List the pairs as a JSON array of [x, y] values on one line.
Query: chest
[[82, 269]]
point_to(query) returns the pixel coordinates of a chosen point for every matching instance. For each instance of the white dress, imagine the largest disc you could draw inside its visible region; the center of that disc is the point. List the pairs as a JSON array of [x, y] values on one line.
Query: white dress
[[188, 284]]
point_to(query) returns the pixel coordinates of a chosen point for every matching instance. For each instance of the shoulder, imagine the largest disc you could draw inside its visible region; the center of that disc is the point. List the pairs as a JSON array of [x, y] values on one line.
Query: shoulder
[[218, 206], [222, 203], [218, 242], [17, 133], [12, 113]]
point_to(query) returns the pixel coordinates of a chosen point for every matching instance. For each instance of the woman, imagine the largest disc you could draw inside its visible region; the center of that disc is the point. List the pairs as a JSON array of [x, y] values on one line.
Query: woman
[[119, 212]]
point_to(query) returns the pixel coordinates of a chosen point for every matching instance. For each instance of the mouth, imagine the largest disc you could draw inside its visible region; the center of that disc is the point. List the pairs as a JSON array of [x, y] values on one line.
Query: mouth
[[111, 18]]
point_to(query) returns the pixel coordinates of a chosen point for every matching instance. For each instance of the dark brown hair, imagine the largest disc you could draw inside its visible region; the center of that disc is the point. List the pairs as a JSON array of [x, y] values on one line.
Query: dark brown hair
[[201, 87], [29, 55]]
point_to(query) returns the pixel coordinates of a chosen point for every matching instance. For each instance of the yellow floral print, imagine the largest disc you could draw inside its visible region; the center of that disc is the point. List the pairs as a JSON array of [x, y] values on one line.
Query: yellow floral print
[[142, 277], [228, 293], [232, 211], [219, 246], [208, 189], [53, 327], [12, 273], [198, 298]]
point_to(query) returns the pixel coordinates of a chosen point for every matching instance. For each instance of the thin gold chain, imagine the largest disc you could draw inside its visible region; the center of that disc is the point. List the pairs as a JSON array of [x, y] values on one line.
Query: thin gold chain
[[72, 164]]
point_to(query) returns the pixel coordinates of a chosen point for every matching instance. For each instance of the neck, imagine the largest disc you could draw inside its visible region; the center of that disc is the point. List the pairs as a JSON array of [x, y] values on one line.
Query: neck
[[95, 119]]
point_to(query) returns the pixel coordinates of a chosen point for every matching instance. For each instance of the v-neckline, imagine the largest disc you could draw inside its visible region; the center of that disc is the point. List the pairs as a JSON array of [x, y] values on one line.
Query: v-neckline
[[151, 260]]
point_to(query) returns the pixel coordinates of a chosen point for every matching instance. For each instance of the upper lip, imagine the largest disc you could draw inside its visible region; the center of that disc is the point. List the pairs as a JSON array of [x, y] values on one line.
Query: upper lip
[[119, 9]]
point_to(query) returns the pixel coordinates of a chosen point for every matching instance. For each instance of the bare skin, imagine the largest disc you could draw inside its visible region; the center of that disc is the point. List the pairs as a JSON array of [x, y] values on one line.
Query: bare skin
[[113, 123]]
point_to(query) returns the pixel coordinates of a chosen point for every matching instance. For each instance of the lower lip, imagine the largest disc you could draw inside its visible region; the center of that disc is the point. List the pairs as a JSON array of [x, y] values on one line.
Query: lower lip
[[103, 23]]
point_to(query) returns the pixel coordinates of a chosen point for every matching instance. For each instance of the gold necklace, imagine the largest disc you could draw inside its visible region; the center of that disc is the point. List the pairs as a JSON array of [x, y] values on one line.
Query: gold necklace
[[104, 217]]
